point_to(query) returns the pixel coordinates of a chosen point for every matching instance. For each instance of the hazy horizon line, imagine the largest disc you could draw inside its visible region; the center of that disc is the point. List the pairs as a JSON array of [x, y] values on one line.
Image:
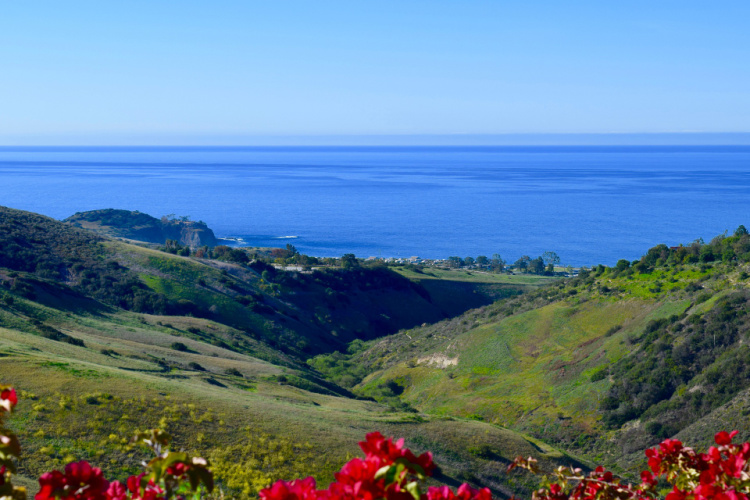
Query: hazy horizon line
[[291, 140]]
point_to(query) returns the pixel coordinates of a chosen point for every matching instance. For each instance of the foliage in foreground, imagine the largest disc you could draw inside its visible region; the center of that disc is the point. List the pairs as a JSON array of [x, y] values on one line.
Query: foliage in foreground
[[388, 471], [169, 474]]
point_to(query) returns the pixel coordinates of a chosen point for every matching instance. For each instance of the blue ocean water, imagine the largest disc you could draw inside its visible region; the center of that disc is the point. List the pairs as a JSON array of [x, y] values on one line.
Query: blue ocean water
[[589, 204]]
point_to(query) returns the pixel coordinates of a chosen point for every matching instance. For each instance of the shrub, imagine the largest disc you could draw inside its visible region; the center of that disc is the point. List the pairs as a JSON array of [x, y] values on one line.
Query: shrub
[[179, 346], [613, 330]]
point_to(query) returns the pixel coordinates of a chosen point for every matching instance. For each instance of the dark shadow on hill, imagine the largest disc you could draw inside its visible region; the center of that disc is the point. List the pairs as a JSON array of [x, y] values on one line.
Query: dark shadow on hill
[[454, 298]]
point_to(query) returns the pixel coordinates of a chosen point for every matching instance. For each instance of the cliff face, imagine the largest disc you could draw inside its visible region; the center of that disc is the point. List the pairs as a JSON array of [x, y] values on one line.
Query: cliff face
[[143, 227], [192, 234]]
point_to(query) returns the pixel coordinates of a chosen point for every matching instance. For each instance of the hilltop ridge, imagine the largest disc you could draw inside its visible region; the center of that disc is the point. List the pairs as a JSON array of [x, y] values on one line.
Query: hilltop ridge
[[134, 225]]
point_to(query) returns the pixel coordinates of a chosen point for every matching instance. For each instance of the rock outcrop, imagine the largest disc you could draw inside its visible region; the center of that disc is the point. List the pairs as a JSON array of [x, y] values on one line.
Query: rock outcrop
[[143, 227]]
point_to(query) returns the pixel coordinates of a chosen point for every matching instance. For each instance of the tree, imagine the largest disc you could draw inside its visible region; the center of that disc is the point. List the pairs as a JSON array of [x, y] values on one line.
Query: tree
[[482, 260], [741, 231], [172, 246], [349, 261], [291, 249], [203, 252], [536, 266], [469, 261], [497, 262], [550, 258], [622, 264], [455, 261], [523, 263]]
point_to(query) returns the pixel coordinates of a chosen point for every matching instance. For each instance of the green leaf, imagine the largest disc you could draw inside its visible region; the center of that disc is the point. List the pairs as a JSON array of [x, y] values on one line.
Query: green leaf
[[382, 472], [413, 489], [412, 467]]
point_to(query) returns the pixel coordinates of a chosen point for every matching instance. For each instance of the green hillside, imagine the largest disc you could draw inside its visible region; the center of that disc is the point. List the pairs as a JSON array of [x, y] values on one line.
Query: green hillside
[[277, 374], [102, 338], [603, 365], [457, 290]]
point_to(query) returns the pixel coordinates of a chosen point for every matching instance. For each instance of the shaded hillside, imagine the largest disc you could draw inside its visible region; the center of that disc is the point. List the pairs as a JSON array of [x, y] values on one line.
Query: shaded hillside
[[143, 227], [456, 291], [637, 352], [102, 338], [294, 313], [50, 250]]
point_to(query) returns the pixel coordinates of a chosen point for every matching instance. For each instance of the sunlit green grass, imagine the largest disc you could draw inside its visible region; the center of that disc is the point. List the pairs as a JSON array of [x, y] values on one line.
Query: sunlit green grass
[[474, 276], [527, 368]]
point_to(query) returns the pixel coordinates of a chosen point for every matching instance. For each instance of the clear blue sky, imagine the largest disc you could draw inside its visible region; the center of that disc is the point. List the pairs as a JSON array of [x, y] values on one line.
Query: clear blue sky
[[168, 71]]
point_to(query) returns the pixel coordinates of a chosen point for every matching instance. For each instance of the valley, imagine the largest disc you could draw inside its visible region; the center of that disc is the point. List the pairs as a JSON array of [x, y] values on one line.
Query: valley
[[277, 374]]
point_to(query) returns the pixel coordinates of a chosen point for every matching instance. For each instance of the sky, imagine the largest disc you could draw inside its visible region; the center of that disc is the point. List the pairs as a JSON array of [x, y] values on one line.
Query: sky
[[235, 72]]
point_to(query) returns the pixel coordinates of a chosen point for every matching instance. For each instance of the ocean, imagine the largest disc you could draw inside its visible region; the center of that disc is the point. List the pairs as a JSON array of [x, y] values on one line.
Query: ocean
[[591, 205]]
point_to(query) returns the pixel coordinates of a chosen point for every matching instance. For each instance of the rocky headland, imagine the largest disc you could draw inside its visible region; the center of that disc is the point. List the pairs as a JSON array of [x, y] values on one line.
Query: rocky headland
[[143, 227]]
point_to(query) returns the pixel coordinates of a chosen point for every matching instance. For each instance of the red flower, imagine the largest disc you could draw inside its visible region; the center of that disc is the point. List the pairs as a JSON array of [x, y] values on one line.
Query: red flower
[[724, 438], [440, 493], [51, 484], [670, 446], [80, 482], [648, 479], [134, 484], [676, 494], [117, 491], [385, 451], [299, 489], [466, 492], [150, 492], [654, 460], [88, 482], [178, 470], [8, 399]]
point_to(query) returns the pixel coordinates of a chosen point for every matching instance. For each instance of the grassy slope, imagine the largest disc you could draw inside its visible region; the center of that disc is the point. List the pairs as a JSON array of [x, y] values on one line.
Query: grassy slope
[[233, 389], [524, 368], [533, 368], [78, 402], [294, 313], [457, 290]]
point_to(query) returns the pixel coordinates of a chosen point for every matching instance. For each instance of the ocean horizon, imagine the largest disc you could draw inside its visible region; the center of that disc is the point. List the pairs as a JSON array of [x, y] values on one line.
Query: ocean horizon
[[590, 204]]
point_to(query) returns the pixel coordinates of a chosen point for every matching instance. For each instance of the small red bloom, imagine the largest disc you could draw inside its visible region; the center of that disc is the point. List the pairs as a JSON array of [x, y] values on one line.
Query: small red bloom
[[385, 452], [671, 446], [299, 489], [724, 438], [117, 491], [440, 493], [134, 484], [85, 482], [466, 492], [9, 397], [648, 479], [178, 470], [80, 482], [51, 484]]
